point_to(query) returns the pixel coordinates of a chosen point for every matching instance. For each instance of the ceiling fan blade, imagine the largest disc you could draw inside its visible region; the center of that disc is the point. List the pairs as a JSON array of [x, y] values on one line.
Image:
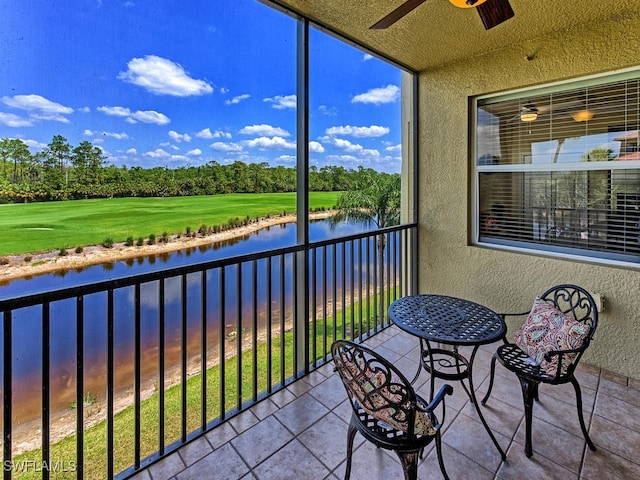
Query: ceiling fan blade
[[494, 12], [397, 14]]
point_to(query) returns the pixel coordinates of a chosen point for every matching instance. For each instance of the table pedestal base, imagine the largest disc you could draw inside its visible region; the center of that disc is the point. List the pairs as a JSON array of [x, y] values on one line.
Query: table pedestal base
[[452, 365]]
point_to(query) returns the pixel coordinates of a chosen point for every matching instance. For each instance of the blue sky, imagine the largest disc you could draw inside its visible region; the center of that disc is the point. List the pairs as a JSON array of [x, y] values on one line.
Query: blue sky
[[174, 83]]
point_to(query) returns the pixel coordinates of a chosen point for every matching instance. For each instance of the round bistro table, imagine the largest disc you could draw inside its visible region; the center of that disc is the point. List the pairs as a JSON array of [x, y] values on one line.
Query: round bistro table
[[440, 320]]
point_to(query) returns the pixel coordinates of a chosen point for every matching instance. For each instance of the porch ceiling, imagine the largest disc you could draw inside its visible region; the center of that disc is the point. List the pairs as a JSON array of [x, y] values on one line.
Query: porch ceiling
[[438, 33]]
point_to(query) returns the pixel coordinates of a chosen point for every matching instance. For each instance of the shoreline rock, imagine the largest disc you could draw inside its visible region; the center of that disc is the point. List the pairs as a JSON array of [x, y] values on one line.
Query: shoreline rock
[[51, 261]]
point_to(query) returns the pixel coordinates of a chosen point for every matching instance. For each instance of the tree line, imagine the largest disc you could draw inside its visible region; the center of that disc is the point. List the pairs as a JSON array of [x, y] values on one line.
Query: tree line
[[61, 171]]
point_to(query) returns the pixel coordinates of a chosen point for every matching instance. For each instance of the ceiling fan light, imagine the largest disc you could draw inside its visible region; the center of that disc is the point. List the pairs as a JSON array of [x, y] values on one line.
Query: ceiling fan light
[[582, 115], [467, 3], [528, 116]]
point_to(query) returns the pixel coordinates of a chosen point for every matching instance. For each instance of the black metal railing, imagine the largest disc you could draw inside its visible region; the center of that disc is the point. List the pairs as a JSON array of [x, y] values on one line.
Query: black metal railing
[[113, 376]]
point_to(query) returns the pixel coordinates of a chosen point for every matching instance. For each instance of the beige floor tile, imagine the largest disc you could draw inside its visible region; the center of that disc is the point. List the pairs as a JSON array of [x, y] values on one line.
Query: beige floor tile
[[370, 462], [327, 440], [261, 441], [468, 435], [167, 467], [222, 462], [330, 392], [456, 464], [292, 461], [555, 444], [298, 415], [194, 451], [604, 464], [616, 438], [518, 466], [618, 411]]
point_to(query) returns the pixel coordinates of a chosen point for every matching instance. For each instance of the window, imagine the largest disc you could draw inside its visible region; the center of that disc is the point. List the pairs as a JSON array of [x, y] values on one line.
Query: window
[[558, 169]]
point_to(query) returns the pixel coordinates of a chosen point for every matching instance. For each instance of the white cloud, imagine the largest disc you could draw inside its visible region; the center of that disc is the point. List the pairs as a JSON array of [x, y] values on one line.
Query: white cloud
[[132, 151], [367, 56], [371, 153], [161, 76], [160, 154], [204, 133], [316, 147], [208, 134], [394, 148], [224, 90], [37, 103], [50, 117], [273, 143], [117, 136], [41, 109], [280, 102], [346, 145], [147, 116], [194, 153], [377, 96], [115, 111], [264, 130], [226, 147], [150, 116], [157, 153], [327, 110], [352, 148], [287, 159], [12, 120], [179, 137], [34, 144], [238, 99], [360, 132], [344, 159]]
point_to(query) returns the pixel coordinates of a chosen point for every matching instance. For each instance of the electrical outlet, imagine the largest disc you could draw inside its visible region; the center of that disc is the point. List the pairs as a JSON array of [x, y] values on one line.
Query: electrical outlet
[[599, 299]]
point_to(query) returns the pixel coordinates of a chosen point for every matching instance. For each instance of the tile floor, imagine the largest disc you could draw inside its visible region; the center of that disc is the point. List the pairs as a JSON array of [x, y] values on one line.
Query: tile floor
[[300, 433]]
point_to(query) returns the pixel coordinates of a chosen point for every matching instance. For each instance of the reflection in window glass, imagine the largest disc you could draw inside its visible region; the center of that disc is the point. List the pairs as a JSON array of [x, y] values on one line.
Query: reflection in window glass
[[559, 171]]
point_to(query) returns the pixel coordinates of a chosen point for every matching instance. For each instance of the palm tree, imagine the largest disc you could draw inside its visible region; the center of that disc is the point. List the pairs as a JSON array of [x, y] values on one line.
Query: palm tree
[[376, 199]]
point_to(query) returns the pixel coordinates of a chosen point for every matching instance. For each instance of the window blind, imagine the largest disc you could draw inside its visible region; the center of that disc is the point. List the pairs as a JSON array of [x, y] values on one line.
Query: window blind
[[560, 171]]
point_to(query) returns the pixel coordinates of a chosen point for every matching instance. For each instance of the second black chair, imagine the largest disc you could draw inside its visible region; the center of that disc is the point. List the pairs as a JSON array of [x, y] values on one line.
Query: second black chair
[[385, 408], [548, 347]]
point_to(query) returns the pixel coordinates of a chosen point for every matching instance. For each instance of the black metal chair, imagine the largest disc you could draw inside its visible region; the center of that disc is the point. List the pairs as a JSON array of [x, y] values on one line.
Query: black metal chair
[[553, 366], [386, 409]]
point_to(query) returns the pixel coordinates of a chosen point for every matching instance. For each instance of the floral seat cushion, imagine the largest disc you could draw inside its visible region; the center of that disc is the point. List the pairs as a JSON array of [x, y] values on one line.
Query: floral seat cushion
[[383, 399], [548, 329]]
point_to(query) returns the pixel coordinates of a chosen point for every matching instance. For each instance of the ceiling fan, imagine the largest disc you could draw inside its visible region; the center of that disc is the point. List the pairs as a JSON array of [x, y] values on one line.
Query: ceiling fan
[[576, 109], [492, 12]]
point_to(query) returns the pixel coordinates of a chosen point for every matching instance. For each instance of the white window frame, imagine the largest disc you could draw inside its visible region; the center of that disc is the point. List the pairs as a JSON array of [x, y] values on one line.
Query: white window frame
[[476, 170]]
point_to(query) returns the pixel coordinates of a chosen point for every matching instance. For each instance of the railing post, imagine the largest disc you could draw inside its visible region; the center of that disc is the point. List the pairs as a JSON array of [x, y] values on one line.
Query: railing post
[[301, 307]]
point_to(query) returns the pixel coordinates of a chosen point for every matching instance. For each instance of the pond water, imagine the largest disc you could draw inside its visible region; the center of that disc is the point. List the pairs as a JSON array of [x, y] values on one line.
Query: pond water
[[27, 325]]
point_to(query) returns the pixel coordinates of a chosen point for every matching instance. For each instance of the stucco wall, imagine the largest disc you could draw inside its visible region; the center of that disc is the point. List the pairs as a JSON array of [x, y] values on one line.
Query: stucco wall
[[508, 281]]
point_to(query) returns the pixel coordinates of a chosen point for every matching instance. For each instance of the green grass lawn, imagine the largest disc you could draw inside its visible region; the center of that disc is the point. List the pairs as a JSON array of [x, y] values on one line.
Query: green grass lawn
[[36, 227]]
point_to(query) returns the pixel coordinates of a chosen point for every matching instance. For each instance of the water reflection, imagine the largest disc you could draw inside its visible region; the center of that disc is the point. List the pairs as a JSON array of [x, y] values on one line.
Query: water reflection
[[238, 288]]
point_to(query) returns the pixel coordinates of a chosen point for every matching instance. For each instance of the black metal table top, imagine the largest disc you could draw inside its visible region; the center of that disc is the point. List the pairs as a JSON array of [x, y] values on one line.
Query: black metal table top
[[448, 320]]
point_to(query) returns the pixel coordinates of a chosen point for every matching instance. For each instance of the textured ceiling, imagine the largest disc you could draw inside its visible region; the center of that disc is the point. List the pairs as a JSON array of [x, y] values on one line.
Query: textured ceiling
[[438, 33]]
